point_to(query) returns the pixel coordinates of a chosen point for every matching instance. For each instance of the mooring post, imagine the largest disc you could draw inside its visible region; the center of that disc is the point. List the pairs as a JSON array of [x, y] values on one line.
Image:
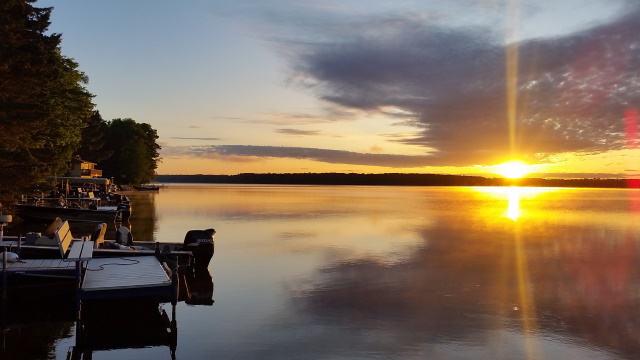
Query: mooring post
[[77, 295], [4, 274], [175, 288], [174, 331]]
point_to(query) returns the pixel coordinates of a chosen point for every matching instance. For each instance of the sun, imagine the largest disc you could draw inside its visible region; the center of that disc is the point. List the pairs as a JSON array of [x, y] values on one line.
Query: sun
[[513, 169]]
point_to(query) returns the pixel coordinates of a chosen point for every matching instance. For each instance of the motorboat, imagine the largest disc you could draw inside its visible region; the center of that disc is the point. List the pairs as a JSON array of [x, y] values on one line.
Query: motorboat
[[75, 209], [76, 199], [41, 212], [196, 250]]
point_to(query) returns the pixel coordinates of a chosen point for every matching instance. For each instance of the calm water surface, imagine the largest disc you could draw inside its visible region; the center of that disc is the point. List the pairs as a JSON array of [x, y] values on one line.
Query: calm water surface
[[324, 272]]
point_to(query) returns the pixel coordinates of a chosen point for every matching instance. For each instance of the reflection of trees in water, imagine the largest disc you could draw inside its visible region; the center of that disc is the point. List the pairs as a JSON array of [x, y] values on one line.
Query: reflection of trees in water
[[32, 327], [464, 284], [143, 222], [36, 341]]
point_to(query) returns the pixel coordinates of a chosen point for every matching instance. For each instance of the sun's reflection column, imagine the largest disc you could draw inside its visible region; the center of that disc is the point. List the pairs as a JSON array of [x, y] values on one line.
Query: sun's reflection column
[[513, 209], [526, 305]]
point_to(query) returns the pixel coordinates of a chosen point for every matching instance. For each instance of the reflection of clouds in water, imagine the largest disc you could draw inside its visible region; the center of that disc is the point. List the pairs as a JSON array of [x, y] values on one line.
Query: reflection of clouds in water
[[465, 285]]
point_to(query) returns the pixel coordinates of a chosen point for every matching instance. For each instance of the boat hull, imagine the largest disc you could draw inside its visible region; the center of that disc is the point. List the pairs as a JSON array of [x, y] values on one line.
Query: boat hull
[[34, 213], [171, 253]]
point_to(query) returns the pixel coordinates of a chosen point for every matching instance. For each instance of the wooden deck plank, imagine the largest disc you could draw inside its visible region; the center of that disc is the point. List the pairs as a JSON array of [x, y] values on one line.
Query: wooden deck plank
[[87, 251], [74, 250], [80, 250], [40, 265], [49, 263], [36, 263], [124, 273]]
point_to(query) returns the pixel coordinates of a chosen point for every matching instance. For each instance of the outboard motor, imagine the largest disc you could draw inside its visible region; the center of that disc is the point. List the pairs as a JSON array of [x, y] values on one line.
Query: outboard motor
[[200, 243], [124, 209], [123, 236]]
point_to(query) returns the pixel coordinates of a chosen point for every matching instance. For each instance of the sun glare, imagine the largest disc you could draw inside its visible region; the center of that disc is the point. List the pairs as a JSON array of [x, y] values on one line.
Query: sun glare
[[513, 169]]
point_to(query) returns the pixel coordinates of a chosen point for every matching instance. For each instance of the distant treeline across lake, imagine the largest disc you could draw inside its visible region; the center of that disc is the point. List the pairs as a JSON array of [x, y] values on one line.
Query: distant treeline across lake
[[388, 179]]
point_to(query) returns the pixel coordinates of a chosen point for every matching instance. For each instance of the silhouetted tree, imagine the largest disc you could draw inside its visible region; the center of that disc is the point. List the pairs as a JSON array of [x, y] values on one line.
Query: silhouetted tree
[[92, 145], [43, 103], [135, 152]]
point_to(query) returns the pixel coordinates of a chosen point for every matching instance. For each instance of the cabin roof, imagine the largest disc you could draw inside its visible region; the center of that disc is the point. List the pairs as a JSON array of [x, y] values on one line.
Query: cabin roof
[[77, 159]]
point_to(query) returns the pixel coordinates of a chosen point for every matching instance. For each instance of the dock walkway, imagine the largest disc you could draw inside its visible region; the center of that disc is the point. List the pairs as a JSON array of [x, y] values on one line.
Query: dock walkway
[[97, 278], [124, 276], [38, 265]]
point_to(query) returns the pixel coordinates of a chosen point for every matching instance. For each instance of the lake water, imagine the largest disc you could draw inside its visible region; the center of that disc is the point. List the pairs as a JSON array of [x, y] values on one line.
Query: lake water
[[349, 272]]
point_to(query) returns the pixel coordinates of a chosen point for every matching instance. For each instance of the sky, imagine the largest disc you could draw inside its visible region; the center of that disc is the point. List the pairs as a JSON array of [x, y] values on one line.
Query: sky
[[367, 86]]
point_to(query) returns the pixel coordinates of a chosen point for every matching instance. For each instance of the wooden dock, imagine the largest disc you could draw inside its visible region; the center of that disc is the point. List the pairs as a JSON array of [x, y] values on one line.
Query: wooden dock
[[40, 265], [98, 278], [124, 276]]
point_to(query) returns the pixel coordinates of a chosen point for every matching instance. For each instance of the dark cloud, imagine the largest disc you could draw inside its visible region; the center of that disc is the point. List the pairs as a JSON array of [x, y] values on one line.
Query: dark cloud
[[322, 155], [572, 91], [248, 153]]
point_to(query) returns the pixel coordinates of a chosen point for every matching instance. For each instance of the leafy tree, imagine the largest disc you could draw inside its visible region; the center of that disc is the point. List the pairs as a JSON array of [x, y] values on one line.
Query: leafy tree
[[135, 152], [43, 103], [92, 146]]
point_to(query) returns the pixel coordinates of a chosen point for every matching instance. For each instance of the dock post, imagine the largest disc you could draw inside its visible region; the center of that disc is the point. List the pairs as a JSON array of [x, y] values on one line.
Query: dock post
[[77, 295], [174, 332], [78, 299], [175, 288], [4, 274]]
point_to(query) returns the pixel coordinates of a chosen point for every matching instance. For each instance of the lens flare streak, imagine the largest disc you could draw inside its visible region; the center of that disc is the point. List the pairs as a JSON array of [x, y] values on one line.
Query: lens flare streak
[[631, 129]]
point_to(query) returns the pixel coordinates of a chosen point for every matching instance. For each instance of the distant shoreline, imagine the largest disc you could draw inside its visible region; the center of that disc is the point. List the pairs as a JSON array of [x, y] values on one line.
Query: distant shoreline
[[391, 179]]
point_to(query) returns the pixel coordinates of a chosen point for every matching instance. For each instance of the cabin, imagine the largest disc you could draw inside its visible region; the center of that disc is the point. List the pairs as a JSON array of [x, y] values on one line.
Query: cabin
[[83, 168]]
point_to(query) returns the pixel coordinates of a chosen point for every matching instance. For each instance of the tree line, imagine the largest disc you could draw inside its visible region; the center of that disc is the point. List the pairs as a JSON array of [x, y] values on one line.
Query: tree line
[[47, 115], [391, 179]]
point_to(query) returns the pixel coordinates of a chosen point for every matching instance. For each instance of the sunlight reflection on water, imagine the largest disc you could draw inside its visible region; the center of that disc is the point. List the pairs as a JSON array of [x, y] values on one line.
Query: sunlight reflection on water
[[376, 271], [406, 272]]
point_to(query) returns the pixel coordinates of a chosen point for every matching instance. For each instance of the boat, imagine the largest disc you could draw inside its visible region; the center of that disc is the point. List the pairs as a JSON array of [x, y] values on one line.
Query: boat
[[196, 250], [95, 278], [40, 212], [62, 268], [76, 199]]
